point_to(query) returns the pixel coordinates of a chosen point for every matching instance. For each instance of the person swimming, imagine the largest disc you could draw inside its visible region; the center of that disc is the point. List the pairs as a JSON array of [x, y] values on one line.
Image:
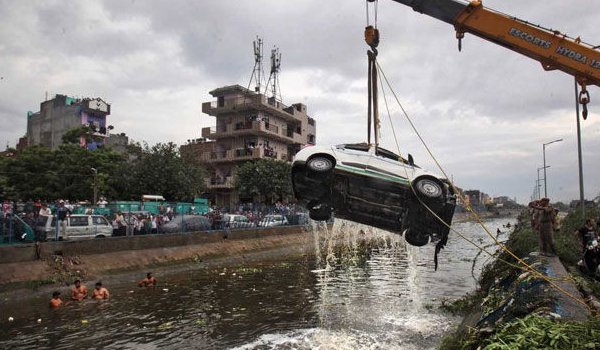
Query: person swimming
[[56, 301], [149, 281], [100, 293], [79, 292]]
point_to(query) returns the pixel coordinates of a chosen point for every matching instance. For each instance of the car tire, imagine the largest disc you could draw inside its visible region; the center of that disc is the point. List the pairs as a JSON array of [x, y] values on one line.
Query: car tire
[[429, 189], [320, 212], [415, 238], [320, 164]]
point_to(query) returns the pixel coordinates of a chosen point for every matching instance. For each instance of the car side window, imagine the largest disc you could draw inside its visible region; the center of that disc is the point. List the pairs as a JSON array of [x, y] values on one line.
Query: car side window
[[79, 221], [99, 220], [387, 154]]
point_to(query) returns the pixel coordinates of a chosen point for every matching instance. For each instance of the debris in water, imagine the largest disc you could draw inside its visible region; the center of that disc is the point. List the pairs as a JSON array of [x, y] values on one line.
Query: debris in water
[[165, 289], [84, 322], [10, 319], [39, 320]]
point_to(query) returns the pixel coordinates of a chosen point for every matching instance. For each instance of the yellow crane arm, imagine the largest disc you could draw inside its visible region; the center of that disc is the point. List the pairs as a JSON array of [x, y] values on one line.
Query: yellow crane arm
[[554, 50]]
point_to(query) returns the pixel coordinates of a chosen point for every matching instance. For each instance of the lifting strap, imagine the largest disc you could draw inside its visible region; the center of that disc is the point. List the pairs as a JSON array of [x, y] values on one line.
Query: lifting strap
[[372, 39]]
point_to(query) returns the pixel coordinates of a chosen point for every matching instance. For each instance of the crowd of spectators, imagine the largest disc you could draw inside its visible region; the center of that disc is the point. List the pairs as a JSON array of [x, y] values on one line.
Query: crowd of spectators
[[129, 222]]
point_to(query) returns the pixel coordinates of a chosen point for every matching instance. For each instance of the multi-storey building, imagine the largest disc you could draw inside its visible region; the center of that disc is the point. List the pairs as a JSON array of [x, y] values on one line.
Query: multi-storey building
[[249, 126], [63, 113]]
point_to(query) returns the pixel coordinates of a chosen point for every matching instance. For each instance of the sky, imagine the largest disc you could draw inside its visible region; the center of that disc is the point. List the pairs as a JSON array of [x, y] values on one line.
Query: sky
[[484, 112]]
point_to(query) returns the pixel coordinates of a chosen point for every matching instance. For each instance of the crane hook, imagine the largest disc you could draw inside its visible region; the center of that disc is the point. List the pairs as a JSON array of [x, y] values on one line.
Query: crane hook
[[584, 99], [460, 35]]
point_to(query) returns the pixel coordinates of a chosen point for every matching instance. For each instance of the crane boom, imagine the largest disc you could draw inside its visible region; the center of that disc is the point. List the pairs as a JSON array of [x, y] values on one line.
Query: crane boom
[[554, 50]]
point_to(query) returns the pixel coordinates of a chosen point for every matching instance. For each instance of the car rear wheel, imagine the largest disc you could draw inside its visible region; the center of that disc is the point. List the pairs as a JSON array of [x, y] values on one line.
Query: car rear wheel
[[320, 164], [415, 238]]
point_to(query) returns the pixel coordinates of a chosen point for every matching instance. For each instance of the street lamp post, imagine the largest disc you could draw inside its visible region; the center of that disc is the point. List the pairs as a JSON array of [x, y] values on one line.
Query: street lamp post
[[539, 181], [95, 186], [544, 153]]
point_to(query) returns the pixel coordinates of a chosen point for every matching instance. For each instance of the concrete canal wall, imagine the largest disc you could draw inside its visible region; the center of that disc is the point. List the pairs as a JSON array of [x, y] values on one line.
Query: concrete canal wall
[[20, 263]]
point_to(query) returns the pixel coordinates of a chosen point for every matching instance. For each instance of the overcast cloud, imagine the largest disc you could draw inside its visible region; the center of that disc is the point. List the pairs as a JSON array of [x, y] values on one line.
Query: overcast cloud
[[485, 112]]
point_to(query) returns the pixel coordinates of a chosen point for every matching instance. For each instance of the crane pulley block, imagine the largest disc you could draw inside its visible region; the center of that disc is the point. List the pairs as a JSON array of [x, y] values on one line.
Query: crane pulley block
[[372, 36]]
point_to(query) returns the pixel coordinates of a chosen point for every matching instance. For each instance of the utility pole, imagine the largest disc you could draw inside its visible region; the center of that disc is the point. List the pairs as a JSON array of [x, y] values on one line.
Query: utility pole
[[95, 186], [581, 195], [539, 181]]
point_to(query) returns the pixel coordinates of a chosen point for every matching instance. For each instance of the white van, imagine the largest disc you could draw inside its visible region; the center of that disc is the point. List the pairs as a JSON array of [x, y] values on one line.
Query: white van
[[78, 227]]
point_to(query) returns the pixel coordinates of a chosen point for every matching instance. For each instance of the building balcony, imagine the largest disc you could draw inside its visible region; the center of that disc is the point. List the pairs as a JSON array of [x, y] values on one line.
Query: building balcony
[[219, 182], [256, 128], [251, 103]]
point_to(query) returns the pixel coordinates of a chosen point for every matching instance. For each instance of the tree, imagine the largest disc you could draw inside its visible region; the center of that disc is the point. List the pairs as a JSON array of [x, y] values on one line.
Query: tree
[[72, 136], [161, 170], [265, 178], [38, 172]]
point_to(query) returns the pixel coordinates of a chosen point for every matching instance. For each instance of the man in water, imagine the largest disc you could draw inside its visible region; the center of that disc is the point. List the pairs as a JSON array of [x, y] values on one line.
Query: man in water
[[100, 293], [79, 292], [56, 302], [149, 281], [545, 218]]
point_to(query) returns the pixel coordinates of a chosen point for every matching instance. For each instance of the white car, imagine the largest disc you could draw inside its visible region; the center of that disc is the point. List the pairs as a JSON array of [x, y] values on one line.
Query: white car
[[78, 227], [273, 220], [236, 221], [372, 186]]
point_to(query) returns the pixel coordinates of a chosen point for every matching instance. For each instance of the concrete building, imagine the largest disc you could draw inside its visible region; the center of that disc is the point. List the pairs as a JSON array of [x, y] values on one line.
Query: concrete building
[[477, 199], [118, 142], [249, 126], [63, 113]]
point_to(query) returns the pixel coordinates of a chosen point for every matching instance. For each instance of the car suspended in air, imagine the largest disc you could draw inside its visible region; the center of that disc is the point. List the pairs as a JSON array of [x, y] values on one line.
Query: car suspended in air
[[370, 185]]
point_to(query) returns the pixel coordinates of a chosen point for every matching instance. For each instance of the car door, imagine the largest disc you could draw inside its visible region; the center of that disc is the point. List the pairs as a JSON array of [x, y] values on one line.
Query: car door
[[99, 226], [389, 167], [78, 227], [352, 158]]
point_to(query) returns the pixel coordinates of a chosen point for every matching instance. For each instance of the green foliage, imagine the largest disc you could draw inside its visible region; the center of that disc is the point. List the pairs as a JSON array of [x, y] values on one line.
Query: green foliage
[[463, 305], [161, 170], [38, 172], [536, 332], [72, 136], [566, 240], [266, 178]]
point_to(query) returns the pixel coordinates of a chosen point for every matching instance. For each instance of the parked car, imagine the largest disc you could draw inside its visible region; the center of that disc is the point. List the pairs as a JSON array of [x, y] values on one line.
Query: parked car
[[273, 220], [78, 227], [373, 186], [236, 221], [186, 223]]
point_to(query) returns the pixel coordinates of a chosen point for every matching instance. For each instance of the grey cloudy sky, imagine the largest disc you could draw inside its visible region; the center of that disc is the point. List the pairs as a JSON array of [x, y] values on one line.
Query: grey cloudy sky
[[485, 112]]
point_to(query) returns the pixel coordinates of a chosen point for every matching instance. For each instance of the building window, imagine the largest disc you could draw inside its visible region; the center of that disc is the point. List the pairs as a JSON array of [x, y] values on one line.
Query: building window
[[221, 101]]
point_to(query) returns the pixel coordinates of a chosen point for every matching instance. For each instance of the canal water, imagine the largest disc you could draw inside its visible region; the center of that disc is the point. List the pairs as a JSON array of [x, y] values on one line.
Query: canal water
[[388, 299]]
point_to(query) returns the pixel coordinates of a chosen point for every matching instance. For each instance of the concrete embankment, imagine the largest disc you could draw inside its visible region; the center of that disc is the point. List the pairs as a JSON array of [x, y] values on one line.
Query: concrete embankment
[[58, 262]]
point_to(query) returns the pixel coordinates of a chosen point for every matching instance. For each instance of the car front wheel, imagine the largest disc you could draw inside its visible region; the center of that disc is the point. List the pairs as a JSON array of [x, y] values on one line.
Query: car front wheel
[[320, 164], [320, 212], [429, 189]]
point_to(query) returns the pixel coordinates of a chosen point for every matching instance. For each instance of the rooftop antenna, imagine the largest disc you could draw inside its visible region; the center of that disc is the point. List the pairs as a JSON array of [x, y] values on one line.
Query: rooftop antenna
[[274, 76], [257, 71]]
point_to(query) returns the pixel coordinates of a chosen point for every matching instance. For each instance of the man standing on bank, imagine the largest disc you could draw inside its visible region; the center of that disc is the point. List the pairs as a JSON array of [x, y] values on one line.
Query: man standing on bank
[[546, 215]]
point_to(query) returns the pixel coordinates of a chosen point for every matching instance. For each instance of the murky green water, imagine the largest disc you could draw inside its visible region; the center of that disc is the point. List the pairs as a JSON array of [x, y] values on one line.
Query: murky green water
[[390, 302]]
